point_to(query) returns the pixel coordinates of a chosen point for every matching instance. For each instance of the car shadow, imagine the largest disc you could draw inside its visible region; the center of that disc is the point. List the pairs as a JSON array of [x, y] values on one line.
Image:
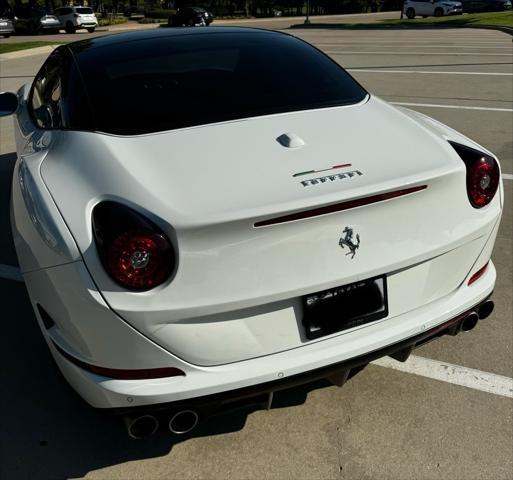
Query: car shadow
[[7, 253], [48, 431]]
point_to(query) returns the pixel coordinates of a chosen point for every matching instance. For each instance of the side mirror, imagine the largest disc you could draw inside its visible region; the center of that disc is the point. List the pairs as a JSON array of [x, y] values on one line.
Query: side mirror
[[8, 103]]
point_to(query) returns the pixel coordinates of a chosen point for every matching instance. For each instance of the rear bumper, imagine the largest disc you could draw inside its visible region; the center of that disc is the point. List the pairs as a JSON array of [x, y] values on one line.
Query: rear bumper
[[50, 26], [337, 373], [6, 29], [215, 386]]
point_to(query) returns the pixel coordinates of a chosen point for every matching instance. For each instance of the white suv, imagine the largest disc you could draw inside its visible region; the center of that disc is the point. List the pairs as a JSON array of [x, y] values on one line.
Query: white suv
[[431, 8], [72, 18]]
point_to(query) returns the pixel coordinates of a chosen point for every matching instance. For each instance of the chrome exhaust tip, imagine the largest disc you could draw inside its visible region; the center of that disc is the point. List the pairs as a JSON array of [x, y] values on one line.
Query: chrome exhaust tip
[[469, 322], [485, 309], [183, 422], [141, 426]]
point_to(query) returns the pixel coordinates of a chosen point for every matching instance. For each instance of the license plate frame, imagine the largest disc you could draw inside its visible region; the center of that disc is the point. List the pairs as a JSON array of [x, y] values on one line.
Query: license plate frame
[[344, 307]]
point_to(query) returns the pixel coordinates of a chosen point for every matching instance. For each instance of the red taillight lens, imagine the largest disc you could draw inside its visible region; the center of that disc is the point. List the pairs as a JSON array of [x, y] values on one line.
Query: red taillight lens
[[139, 260], [483, 175], [134, 251], [482, 181], [478, 274]]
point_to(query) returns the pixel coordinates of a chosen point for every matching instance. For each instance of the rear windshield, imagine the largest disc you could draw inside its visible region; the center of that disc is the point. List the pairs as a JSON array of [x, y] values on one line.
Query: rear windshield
[[173, 82], [84, 10]]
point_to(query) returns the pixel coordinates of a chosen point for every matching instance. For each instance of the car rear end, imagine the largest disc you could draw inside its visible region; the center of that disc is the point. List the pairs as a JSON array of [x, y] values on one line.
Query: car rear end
[[233, 252], [6, 27], [85, 18], [199, 16], [49, 22]]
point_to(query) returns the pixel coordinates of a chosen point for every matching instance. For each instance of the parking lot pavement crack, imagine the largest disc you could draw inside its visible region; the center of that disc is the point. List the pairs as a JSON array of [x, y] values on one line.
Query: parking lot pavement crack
[[339, 453]]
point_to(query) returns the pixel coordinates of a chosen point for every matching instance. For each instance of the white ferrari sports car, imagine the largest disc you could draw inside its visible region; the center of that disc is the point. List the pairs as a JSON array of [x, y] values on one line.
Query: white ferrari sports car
[[206, 216]]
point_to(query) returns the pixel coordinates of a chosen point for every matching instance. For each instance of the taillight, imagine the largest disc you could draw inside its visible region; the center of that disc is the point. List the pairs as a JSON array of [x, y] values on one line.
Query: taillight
[[134, 251], [483, 175]]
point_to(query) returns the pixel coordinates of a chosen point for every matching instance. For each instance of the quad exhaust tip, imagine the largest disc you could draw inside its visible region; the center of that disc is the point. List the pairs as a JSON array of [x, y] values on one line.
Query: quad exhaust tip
[[141, 426], [485, 310], [183, 422], [469, 322]]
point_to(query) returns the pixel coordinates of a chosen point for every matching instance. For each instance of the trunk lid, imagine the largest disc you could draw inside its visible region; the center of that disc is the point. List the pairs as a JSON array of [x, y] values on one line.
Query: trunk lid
[[237, 290]]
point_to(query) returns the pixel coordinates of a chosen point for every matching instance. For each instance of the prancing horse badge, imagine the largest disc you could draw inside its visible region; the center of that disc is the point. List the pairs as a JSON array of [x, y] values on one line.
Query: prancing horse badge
[[347, 240]]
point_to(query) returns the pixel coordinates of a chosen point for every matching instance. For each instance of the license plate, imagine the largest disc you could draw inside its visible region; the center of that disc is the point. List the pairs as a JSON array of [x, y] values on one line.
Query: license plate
[[3, 24], [345, 307]]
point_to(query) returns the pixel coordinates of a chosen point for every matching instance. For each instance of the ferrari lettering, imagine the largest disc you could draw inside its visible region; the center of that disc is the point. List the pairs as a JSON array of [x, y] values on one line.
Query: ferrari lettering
[[331, 178]]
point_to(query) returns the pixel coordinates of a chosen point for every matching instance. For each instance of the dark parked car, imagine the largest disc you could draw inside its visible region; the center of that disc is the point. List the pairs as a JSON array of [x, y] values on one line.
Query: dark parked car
[[486, 5], [35, 19], [191, 16]]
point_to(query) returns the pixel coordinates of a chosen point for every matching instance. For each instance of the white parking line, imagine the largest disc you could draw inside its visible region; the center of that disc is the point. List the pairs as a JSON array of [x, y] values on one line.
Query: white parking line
[[459, 107], [391, 45], [507, 176], [429, 72], [385, 52], [454, 374], [10, 273]]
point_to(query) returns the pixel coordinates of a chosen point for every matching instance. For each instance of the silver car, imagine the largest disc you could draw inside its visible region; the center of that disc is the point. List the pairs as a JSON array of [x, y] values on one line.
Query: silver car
[[6, 27], [431, 8]]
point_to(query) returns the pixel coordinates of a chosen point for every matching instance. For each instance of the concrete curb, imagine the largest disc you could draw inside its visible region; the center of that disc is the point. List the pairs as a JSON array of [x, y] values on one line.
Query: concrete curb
[[47, 49]]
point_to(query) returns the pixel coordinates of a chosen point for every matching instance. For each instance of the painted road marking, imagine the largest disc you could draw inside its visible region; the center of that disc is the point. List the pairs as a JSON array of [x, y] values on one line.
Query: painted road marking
[[10, 273], [381, 43], [459, 107], [449, 373], [507, 176], [369, 70], [385, 52]]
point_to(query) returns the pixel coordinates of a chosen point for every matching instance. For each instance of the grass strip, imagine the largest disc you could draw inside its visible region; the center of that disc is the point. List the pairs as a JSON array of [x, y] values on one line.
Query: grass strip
[[14, 47], [496, 19], [503, 19]]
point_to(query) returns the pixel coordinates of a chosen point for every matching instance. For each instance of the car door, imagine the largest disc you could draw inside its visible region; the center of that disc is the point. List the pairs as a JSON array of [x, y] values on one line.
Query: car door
[[425, 7]]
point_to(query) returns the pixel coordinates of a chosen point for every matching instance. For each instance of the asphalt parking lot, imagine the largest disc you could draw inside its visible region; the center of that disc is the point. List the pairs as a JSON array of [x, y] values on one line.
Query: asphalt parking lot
[[383, 423]]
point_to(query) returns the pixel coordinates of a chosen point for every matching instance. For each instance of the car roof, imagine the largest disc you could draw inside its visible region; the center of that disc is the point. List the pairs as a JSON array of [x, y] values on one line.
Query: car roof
[[120, 38]]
